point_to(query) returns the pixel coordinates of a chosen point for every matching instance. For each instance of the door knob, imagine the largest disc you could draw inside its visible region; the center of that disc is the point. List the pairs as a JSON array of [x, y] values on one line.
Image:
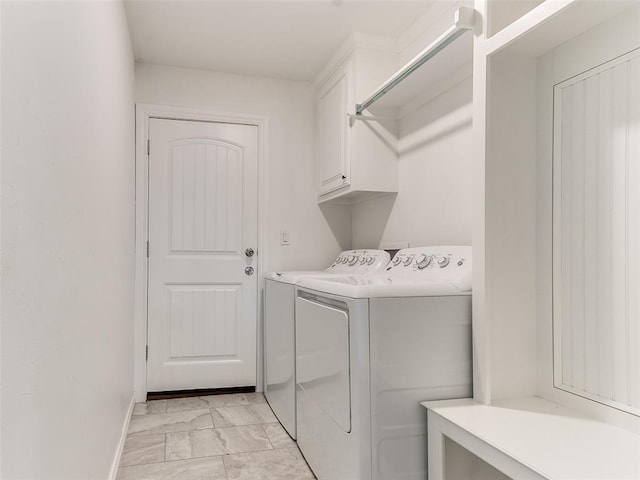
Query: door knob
[[249, 252], [248, 270]]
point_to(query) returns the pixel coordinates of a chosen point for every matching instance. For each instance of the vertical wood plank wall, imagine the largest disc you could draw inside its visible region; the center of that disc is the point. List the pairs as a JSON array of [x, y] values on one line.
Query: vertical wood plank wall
[[597, 234]]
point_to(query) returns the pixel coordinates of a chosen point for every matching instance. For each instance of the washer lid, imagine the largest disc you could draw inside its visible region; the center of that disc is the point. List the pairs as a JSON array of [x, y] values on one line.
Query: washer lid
[[349, 262], [293, 277]]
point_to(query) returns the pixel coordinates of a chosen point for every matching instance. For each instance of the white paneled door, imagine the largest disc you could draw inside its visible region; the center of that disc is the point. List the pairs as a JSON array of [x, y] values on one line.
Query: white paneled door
[[202, 232]]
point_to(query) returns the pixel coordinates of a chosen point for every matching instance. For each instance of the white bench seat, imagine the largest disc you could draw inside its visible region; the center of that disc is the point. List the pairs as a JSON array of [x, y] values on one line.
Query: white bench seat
[[531, 438]]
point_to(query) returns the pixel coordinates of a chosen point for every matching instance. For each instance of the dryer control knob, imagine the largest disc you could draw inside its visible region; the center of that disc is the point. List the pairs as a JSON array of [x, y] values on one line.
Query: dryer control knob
[[363, 260], [443, 262], [407, 261], [423, 261], [353, 260], [396, 261], [370, 260]]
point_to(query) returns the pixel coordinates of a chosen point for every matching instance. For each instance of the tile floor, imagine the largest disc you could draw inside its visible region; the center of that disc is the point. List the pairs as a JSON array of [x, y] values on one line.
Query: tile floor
[[218, 437]]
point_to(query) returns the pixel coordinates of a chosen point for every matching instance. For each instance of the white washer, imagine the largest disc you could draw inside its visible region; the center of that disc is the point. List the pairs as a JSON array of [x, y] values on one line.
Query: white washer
[[279, 325], [369, 350]]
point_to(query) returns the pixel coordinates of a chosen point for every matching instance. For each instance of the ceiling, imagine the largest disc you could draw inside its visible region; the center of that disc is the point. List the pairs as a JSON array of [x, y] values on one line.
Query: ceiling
[[282, 39]]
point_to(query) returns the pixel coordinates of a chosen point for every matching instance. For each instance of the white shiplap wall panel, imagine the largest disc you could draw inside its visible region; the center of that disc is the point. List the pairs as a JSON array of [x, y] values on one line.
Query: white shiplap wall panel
[[591, 228], [576, 224], [567, 287], [605, 344], [597, 234], [618, 231], [633, 233]]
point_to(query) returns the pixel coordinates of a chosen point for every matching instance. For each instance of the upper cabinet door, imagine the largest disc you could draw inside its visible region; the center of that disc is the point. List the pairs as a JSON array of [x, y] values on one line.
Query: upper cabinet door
[[334, 100]]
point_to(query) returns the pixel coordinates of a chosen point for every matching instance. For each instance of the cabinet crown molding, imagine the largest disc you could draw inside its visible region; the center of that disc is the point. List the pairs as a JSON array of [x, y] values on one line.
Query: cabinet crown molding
[[354, 41]]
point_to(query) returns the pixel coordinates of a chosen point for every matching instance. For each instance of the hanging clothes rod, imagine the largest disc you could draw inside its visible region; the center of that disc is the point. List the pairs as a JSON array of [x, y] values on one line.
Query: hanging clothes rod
[[371, 118], [463, 22]]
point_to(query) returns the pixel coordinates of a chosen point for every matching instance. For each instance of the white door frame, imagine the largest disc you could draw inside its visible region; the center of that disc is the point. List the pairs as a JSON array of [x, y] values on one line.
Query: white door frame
[[143, 113]]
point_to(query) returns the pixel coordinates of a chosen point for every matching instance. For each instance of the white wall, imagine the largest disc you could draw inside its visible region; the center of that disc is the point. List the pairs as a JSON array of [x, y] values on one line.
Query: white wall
[[433, 204], [316, 235], [509, 218], [67, 237]]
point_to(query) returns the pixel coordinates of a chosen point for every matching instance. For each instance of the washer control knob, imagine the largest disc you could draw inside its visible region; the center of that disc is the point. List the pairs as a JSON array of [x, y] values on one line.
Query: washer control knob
[[363, 260], [423, 261], [396, 261], [407, 261], [370, 260], [443, 262], [353, 260]]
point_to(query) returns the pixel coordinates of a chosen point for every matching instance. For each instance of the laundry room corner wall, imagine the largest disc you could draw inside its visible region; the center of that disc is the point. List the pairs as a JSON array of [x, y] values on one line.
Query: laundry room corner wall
[[315, 236], [433, 204], [67, 237]]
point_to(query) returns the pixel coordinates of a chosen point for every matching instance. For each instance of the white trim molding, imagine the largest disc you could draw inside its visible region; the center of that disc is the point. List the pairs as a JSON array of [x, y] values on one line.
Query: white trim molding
[[144, 112], [123, 438]]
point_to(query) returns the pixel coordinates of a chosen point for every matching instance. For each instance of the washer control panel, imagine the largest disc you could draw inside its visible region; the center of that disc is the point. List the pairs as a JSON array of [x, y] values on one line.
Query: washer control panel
[[360, 262], [430, 262]]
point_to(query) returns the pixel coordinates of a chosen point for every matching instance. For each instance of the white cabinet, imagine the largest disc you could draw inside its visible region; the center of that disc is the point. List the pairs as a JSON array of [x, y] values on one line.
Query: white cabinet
[[333, 129], [355, 159]]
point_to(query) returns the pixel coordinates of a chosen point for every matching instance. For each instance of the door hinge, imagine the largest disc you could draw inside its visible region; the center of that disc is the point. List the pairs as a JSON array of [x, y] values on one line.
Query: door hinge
[[146, 353], [148, 146], [147, 248]]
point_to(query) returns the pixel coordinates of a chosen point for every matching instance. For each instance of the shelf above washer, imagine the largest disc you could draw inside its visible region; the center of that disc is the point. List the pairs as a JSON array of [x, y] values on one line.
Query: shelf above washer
[[449, 57], [552, 23]]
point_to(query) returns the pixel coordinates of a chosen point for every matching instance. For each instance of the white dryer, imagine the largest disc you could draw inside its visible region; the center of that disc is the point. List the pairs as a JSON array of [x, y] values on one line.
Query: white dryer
[[369, 350], [279, 326]]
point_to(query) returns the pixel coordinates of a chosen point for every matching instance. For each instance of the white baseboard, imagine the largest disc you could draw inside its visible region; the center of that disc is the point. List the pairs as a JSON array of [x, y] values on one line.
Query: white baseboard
[[123, 436]]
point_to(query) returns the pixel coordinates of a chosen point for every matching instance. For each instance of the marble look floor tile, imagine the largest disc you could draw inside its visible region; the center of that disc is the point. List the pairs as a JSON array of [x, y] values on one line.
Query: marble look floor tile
[[219, 441], [243, 415], [188, 403], [209, 468], [170, 422], [283, 464], [278, 436], [263, 412], [143, 449], [227, 400], [256, 397], [154, 406]]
